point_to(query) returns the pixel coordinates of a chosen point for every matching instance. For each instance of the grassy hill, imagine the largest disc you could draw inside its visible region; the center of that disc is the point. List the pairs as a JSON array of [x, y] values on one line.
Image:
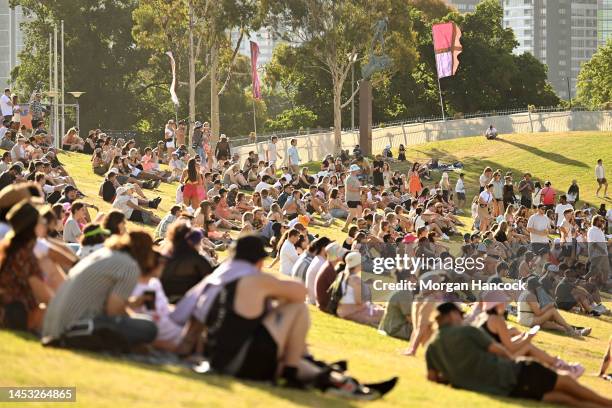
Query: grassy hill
[[102, 381]]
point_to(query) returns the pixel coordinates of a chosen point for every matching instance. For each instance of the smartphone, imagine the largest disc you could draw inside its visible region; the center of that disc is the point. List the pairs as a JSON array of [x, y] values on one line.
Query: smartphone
[[149, 302], [534, 330]]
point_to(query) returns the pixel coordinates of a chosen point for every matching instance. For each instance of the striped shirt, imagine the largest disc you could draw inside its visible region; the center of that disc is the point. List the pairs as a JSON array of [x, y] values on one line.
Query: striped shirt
[[90, 282]]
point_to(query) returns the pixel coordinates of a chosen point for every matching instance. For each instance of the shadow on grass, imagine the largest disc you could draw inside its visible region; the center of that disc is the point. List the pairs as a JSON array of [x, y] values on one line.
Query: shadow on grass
[[304, 398], [555, 157]]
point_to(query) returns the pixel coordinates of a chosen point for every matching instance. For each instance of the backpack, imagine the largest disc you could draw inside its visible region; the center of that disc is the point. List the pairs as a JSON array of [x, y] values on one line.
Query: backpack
[[335, 292]]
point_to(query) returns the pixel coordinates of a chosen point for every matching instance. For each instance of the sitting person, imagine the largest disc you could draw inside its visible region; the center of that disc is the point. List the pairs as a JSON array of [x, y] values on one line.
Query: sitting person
[[397, 319], [352, 305], [468, 358], [185, 267], [530, 313], [248, 339], [72, 142], [131, 207], [92, 239], [95, 296], [519, 344], [491, 133]]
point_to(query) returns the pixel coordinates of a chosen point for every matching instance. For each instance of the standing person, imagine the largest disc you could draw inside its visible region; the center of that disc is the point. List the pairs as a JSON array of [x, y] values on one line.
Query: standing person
[[561, 208], [179, 135], [548, 195], [293, 157], [598, 252], [193, 185], [377, 173], [485, 178], [414, 181], [197, 141], [538, 226], [498, 194], [352, 195], [445, 186], [169, 135], [508, 191], [96, 295], [272, 155], [526, 188], [222, 150], [16, 110], [37, 109], [485, 199], [460, 191], [600, 175], [6, 105]]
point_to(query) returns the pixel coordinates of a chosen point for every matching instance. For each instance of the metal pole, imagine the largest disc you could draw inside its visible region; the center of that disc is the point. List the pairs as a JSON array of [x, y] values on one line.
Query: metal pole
[[353, 96], [62, 100], [78, 114], [50, 62], [254, 121], [441, 100], [56, 89]]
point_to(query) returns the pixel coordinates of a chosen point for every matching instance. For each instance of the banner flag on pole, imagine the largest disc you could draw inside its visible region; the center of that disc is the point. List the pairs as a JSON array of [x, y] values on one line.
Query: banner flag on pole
[[254, 75], [173, 96], [447, 48]]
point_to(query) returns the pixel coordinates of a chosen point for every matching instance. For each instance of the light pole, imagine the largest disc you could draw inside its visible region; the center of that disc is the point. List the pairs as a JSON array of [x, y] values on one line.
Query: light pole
[[353, 59], [77, 95]]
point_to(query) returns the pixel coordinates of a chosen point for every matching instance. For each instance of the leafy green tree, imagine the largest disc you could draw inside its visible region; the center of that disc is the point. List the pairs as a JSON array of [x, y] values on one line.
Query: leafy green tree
[[100, 57], [296, 118], [595, 79]]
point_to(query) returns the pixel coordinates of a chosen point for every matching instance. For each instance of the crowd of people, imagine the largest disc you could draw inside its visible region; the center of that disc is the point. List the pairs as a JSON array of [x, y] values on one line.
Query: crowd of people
[[84, 277]]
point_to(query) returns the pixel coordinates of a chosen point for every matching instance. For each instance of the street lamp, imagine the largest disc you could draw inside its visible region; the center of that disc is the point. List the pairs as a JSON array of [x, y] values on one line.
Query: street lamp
[[77, 95], [569, 92], [352, 59]]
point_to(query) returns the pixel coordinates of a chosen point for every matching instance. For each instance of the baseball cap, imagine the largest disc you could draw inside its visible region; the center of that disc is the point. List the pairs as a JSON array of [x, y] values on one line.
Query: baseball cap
[[352, 260], [354, 167], [335, 252], [409, 239]]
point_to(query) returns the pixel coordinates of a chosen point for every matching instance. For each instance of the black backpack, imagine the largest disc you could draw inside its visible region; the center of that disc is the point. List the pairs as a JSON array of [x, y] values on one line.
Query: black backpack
[[335, 292]]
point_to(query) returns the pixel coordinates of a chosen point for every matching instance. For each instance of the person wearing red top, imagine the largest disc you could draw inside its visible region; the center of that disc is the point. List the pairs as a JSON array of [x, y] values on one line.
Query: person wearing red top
[[548, 196]]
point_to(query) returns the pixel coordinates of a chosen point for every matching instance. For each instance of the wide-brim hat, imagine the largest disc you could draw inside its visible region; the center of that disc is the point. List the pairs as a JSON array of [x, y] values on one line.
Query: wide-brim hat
[[22, 215]]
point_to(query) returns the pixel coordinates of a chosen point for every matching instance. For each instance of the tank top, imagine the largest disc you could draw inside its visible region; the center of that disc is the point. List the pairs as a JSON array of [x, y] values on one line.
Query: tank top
[[485, 327], [227, 330], [523, 306]]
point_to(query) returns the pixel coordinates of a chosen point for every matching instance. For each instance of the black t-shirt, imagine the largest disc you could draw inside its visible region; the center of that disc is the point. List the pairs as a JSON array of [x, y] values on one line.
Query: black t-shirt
[[108, 191], [563, 292]]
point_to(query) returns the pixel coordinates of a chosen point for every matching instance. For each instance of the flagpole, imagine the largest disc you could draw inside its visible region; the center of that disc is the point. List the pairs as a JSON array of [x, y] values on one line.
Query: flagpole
[[441, 100]]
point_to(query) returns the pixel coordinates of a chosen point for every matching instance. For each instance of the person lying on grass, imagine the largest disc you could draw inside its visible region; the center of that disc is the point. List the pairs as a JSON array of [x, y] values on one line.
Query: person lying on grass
[[466, 357]]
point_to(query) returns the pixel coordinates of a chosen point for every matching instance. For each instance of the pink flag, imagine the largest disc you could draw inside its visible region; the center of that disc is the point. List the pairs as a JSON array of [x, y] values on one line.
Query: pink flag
[[254, 75], [447, 48]]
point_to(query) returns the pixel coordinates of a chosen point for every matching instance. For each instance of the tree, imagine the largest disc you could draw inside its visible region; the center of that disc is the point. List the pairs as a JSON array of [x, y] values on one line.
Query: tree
[[196, 32], [335, 33], [595, 79], [100, 57], [296, 118]]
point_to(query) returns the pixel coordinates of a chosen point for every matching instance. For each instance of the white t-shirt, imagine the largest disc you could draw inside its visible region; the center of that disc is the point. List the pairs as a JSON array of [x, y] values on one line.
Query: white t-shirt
[[540, 223], [72, 231], [120, 203], [486, 197], [460, 187], [559, 210], [263, 185], [272, 153], [609, 215], [288, 256], [41, 248], [599, 171], [595, 234], [484, 180], [311, 276], [7, 110], [294, 157]]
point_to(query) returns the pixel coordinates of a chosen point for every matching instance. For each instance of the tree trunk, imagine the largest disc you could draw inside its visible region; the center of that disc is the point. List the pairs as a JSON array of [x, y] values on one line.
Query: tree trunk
[[337, 116], [214, 93], [192, 75]]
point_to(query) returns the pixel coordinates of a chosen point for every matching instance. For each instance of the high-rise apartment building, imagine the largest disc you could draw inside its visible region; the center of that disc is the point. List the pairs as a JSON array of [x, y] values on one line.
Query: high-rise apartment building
[[464, 6], [11, 40], [560, 33], [267, 40], [604, 21]]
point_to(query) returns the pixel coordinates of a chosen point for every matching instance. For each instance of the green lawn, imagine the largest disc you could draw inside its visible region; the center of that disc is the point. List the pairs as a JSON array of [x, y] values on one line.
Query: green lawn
[[103, 381]]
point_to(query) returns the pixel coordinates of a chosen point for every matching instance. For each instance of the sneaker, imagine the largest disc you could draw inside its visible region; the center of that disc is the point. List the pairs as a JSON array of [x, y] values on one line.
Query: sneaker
[[575, 370], [585, 332], [445, 237], [601, 309], [351, 389], [594, 313]]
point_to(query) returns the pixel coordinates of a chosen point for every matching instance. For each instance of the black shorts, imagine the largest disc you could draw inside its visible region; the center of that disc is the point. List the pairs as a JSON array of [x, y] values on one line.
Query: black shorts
[[137, 216], [461, 196], [353, 204], [601, 181], [565, 304], [261, 360], [291, 216], [533, 381]]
